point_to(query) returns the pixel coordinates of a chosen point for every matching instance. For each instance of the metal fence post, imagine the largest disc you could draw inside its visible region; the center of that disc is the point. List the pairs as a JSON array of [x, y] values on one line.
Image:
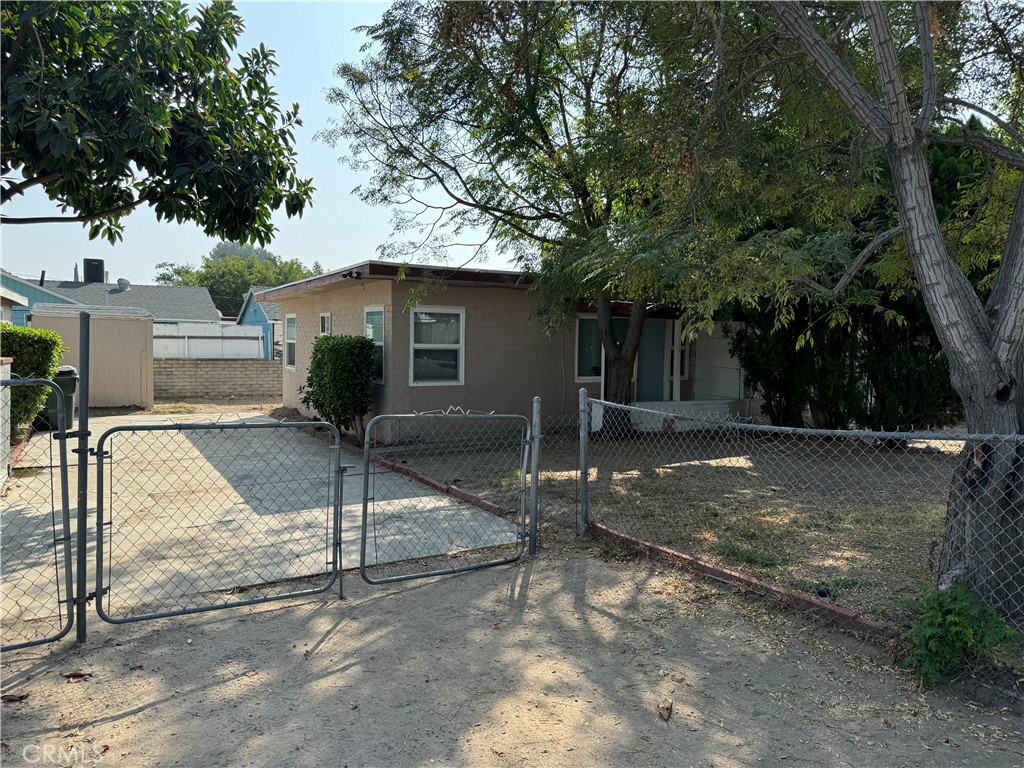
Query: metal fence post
[[83, 477], [584, 471], [535, 475]]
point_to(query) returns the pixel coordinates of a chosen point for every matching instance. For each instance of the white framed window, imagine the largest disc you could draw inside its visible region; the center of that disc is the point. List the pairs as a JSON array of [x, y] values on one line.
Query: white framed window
[[589, 347], [373, 322], [437, 347], [325, 323], [289, 340]]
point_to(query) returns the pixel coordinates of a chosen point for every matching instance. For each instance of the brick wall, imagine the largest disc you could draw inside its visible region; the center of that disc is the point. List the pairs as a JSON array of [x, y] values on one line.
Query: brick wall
[[177, 379]]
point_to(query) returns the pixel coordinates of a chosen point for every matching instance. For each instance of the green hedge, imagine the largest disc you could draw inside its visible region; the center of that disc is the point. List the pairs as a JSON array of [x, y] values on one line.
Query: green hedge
[[339, 385], [36, 354]]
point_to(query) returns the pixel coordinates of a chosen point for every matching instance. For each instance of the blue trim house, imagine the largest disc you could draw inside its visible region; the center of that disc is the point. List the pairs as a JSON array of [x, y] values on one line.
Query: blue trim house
[[264, 315], [33, 293]]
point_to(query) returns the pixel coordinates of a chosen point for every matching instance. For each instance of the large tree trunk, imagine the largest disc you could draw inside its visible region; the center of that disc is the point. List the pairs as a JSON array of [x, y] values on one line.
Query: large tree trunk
[[984, 536], [619, 361], [984, 531]]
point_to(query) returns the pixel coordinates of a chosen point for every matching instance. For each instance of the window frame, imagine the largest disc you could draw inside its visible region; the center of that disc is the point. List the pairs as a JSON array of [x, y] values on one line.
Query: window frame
[[576, 351], [293, 342], [461, 346], [383, 329], [329, 325]]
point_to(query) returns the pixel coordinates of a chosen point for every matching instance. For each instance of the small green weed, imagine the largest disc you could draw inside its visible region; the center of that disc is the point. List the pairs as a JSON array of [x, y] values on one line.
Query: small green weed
[[745, 555], [951, 628]]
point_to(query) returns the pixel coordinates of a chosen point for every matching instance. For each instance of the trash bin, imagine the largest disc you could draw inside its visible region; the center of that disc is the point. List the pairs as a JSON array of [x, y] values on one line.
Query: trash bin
[[67, 380]]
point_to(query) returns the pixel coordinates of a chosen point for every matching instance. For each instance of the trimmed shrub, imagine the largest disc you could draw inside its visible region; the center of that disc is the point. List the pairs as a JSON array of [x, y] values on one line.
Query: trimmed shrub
[[340, 379], [36, 354]]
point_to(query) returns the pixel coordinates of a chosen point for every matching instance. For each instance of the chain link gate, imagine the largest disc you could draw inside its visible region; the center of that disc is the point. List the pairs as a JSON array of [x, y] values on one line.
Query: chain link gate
[[36, 585], [196, 517], [444, 493]]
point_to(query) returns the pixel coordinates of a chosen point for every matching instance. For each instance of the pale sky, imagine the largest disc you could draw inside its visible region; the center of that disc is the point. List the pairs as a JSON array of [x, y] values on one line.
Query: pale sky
[[310, 39]]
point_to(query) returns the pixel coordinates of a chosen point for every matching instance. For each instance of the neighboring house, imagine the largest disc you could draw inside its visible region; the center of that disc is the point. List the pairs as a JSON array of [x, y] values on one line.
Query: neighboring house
[[9, 302], [167, 304], [267, 317], [473, 343], [186, 323]]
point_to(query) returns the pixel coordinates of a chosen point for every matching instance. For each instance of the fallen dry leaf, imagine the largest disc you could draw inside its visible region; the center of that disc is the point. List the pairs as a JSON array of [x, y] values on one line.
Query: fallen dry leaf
[[665, 709], [13, 697], [76, 675]]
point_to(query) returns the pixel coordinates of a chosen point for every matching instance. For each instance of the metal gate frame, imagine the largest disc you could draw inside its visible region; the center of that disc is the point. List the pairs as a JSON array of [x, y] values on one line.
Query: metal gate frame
[[61, 530], [337, 469], [530, 447]]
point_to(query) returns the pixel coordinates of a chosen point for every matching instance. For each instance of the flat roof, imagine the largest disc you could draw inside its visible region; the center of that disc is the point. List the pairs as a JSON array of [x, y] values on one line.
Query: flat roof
[[385, 270]]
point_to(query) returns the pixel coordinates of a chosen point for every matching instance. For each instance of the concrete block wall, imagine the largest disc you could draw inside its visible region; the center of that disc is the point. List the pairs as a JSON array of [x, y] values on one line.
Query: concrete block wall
[[217, 379]]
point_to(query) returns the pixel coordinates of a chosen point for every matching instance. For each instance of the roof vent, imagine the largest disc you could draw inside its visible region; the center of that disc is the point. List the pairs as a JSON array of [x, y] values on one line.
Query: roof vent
[[123, 284]]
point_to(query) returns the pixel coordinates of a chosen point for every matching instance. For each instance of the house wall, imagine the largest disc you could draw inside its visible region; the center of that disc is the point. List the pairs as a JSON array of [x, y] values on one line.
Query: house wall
[[218, 379], [716, 374], [120, 356], [345, 303], [508, 358]]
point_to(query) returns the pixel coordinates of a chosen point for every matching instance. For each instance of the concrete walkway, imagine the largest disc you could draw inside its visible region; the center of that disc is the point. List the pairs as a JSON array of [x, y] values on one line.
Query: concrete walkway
[[199, 517]]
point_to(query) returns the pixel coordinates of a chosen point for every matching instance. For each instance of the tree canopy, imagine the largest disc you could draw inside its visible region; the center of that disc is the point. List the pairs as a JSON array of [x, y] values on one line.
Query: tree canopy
[[531, 123], [230, 269], [109, 106]]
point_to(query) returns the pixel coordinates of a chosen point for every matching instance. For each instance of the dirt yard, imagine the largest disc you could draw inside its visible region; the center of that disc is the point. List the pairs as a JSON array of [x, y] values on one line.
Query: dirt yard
[[564, 660]]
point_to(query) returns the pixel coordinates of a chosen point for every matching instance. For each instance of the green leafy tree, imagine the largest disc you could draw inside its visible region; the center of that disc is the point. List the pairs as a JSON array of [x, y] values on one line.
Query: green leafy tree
[[109, 106], [531, 123], [928, 61], [229, 270]]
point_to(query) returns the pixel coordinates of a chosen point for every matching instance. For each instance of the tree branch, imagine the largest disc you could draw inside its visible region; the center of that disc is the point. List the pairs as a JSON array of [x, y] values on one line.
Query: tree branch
[[81, 218], [16, 189], [12, 55], [984, 143], [854, 268], [1006, 303], [924, 41], [1007, 128], [887, 62], [793, 18]]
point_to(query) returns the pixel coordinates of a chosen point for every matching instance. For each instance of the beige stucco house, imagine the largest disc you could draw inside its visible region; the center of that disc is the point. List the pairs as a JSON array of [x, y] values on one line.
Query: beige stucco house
[[465, 337]]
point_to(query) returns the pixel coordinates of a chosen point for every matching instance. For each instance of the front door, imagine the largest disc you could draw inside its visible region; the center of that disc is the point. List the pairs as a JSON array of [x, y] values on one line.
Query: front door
[[662, 362]]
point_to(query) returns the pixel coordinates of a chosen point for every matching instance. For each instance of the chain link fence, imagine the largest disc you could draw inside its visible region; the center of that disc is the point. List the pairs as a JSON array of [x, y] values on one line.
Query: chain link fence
[[193, 517], [854, 520], [443, 493], [35, 527], [559, 476]]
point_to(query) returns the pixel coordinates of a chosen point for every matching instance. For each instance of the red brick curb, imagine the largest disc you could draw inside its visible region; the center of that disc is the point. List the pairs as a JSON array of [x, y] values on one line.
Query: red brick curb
[[451, 490], [834, 613]]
